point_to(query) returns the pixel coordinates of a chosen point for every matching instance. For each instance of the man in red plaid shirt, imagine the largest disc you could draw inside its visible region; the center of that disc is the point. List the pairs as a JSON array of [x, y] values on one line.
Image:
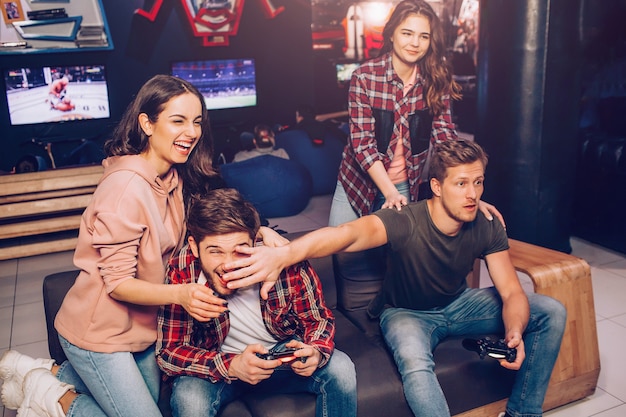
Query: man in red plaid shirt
[[211, 363]]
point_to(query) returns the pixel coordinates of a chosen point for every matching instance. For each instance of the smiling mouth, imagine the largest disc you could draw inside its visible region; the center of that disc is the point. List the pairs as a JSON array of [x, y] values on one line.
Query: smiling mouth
[[221, 280], [184, 146]]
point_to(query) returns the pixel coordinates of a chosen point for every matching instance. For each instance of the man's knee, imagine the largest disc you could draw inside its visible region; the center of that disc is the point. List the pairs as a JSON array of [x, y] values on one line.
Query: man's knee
[[341, 369], [548, 311]]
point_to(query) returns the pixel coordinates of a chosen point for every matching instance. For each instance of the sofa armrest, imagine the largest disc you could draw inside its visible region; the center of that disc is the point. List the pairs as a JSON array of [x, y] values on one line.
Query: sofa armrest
[[568, 279]]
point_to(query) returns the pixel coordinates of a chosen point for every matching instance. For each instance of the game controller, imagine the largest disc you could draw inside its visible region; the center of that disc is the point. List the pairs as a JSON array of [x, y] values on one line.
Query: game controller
[[496, 349], [286, 353]]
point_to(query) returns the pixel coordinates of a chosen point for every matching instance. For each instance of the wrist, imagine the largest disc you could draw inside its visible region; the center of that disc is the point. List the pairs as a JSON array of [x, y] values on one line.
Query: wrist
[[292, 254], [230, 369], [513, 334], [287, 257], [177, 294], [393, 194]]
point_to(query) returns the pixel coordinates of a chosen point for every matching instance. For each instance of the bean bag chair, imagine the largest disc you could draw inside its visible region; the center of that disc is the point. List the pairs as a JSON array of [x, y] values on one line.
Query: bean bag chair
[[277, 187], [30, 163], [322, 161]]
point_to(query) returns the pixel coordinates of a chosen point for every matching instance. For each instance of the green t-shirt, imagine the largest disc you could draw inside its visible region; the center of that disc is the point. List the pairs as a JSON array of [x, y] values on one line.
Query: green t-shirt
[[426, 269]]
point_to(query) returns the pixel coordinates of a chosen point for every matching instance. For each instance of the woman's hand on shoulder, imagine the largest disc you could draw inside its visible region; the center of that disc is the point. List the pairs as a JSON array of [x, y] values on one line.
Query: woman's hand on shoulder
[[272, 238], [395, 200], [489, 210]]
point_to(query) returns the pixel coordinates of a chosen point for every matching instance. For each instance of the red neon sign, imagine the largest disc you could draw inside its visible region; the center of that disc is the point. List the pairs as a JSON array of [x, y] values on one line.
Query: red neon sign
[[215, 21]]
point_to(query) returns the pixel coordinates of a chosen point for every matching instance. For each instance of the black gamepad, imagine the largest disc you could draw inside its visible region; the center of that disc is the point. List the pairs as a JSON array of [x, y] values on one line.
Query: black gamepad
[[496, 349], [285, 353]]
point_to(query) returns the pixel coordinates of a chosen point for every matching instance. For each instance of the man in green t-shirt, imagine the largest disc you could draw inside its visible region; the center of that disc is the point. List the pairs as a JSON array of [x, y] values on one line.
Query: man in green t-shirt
[[432, 247]]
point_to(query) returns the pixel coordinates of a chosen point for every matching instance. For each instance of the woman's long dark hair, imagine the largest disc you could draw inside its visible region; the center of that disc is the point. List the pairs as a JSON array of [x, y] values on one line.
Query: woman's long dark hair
[[433, 67], [129, 138]]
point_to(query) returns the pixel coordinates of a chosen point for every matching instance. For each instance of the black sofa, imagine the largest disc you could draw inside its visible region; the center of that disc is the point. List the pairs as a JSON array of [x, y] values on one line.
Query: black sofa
[[467, 381], [379, 385]]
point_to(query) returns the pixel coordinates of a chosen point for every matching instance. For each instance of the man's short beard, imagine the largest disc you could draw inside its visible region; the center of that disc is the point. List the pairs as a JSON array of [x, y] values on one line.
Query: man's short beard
[[455, 217], [264, 143], [217, 293]]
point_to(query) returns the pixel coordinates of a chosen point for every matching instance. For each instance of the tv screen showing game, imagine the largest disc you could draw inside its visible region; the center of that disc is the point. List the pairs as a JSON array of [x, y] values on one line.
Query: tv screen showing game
[[344, 71], [56, 94], [225, 83]]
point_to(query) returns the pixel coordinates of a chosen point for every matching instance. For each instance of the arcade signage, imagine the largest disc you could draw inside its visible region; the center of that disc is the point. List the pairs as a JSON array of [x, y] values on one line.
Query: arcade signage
[[215, 21]]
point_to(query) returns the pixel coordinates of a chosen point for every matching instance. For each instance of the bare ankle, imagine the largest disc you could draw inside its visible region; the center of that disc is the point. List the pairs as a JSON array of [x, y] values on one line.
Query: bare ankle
[[67, 399]]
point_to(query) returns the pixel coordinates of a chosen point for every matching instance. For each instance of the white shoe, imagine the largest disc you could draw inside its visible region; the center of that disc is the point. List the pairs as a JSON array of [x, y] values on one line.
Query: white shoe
[[42, 392], [13, 367]]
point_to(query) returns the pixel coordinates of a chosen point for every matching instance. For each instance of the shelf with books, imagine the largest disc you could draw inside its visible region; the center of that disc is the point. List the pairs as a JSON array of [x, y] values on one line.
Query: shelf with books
[[41, 26]]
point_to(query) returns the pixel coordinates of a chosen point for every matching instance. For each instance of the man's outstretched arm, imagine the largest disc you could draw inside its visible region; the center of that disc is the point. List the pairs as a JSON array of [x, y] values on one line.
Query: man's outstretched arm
[[265, 264]]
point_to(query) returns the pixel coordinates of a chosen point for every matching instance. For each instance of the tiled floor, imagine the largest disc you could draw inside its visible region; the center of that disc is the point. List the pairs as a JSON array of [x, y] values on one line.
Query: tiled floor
[[22, 324]]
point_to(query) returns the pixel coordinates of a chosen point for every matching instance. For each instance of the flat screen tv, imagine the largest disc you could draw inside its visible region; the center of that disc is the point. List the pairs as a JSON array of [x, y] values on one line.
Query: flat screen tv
[[344, 71], [56, 94], [224, 83]]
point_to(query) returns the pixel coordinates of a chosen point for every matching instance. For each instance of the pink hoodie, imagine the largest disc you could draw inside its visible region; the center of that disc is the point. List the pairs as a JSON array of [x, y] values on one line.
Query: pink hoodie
[[132, 225]]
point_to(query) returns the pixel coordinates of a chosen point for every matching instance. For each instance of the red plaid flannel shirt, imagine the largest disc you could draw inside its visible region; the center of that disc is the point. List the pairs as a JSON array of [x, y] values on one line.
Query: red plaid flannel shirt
[[375, 85], [295, 306]]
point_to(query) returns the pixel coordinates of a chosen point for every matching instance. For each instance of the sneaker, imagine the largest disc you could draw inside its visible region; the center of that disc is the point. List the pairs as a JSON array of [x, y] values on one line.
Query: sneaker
[[42, 392], [13, 367]]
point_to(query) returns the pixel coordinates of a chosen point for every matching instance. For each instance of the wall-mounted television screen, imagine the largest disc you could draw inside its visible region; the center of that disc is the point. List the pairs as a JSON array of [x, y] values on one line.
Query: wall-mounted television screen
[[56, 94], [224, 83], [344, 71]]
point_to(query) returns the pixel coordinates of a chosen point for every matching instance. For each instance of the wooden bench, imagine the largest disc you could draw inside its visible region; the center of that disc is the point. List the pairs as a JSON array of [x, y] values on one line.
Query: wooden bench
[[40, 211], [568, 279]]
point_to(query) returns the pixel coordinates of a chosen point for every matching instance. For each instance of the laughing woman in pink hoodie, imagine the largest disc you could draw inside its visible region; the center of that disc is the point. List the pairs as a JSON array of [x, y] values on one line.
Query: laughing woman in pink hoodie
[[135, 221]]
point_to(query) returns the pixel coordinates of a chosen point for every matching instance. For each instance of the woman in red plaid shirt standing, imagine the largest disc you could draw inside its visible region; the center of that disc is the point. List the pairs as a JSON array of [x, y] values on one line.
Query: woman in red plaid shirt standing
[[399, 103]]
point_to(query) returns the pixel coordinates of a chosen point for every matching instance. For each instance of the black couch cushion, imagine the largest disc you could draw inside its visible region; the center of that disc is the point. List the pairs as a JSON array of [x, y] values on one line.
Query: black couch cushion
[[358, 277], [379, 388], [55, 286]]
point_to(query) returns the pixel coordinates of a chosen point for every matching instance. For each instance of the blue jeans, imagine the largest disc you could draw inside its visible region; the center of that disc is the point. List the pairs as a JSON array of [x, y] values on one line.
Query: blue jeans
[[111, 384], [334, 385], [342, 212], [403, 188], [412, 336]]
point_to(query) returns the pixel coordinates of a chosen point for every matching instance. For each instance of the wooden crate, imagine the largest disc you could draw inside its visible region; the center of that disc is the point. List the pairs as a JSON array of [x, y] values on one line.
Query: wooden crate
[[40, 211]]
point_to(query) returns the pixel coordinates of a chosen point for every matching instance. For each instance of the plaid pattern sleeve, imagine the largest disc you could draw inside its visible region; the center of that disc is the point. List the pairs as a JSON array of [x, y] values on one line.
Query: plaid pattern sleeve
[[296, 307], [185, 346], [368, 90]]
